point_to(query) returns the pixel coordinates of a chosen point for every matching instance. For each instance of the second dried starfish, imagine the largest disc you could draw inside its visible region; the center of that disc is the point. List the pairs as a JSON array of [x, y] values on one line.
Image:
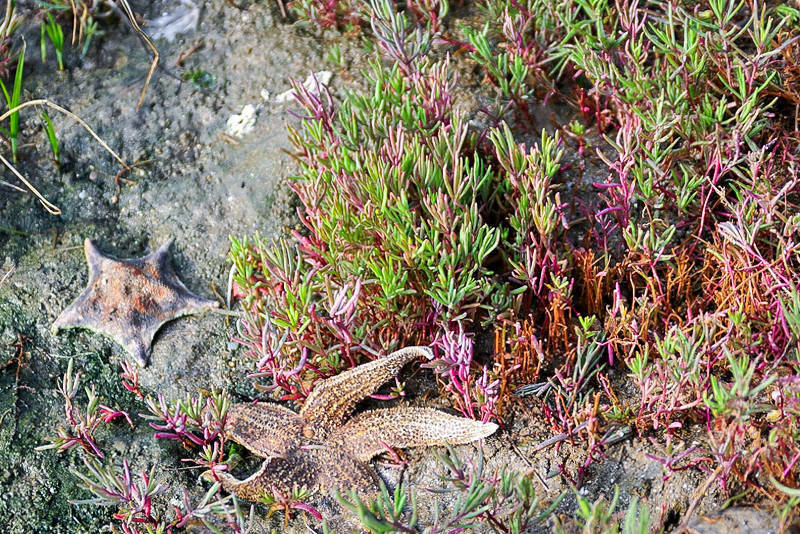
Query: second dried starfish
[[321, 449]]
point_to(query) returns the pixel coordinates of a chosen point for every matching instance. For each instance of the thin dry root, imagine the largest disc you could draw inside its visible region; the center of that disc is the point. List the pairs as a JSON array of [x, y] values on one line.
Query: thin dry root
[[49, 206], [132, 19]]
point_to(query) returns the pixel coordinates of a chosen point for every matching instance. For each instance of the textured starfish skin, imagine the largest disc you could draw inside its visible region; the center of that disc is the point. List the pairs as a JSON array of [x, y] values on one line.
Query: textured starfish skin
[[129, 300], [322, 450]]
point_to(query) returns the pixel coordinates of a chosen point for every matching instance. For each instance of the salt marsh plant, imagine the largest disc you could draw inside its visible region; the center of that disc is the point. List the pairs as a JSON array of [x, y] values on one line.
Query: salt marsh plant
[[195, 421], [51, 137], [505, 501], [650, 238], [11, 22], [392, 210], [686, 252]]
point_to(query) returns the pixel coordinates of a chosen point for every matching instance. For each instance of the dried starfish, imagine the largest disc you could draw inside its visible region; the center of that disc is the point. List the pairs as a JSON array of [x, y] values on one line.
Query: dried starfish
[[321, 449], [129, 300]]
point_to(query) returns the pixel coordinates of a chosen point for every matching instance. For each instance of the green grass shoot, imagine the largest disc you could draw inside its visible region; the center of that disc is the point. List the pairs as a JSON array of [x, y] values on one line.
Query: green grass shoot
[[12, 101], [51, 137], [56, 35]]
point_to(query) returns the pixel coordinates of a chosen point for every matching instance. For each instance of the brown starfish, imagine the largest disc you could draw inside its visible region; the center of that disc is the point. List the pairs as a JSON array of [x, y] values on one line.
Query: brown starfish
[[129, 300], [321, 449]]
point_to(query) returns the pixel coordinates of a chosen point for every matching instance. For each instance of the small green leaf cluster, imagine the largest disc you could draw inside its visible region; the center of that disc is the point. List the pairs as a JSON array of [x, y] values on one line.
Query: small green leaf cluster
[[507, 501]]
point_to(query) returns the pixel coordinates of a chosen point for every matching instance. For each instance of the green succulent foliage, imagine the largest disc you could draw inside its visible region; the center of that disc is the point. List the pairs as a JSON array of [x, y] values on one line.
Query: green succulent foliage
[[603, 517], [507, 501]]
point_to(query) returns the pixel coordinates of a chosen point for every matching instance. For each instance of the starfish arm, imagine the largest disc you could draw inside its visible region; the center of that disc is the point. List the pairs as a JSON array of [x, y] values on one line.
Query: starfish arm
[[73, 317], [94, 257], [160, 257], [274, 475], [319, 468], [136, 343], [334, 398], [266, 430], [369, 433], [192, 304], [249, 489], [69, 318], [186, 302], [137, 346]]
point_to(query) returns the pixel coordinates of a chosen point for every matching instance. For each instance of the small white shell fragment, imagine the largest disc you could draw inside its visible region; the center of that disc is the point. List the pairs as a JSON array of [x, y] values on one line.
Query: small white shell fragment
[[323, 77], [243, 123]]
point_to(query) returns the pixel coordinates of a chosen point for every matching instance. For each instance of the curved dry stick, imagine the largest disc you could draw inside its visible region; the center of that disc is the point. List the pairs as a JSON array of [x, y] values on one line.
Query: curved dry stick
[[46, 102], [12, 186], [74, 19], [132, 19], [49, 206], [9, 19]]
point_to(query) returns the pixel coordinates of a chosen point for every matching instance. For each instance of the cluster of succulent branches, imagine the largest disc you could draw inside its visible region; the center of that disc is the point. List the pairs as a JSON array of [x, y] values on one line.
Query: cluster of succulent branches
[[506, 501], [141, 501], [397, 246], [664, 252], [82, 423], [351, 15], [474, 394], [686, 261], [391, 209]]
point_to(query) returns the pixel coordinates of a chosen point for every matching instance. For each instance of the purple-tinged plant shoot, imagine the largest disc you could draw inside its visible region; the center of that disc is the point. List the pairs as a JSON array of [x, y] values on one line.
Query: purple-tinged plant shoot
[[133, 499], [197, 422], [473, 398], [277, 501], [111, 488], [82, 423], [130, 377]]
